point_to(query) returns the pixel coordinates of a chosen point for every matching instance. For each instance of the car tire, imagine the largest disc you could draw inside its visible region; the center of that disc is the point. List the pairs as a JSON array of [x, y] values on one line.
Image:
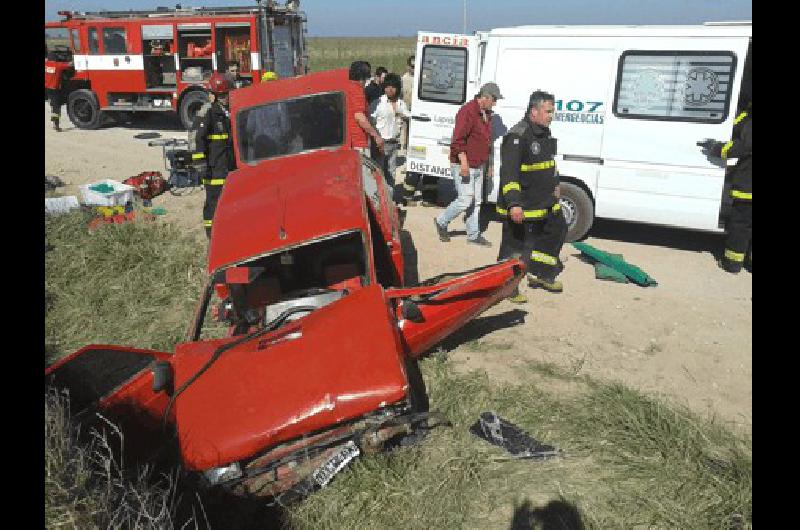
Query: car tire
[[190, 104], [578, 210], [84, 110]]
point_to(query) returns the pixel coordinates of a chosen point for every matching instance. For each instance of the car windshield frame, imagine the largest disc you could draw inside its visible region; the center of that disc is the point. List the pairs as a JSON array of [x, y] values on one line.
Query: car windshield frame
[[246, 140]]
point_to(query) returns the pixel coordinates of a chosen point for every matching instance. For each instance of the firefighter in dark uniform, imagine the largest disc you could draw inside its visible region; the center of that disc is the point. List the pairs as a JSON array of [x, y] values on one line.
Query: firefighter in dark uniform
[[739, 227], [58, 70], [213, 153], [533, 223]]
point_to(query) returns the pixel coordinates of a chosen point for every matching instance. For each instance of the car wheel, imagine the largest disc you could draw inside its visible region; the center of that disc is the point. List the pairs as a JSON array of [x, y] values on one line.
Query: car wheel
[[190, 104], [83, 109], [578, 210]]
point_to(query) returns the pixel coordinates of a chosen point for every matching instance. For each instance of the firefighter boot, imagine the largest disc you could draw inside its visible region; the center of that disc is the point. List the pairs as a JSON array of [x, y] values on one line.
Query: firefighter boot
[[55, 119], [553, 286], [517, 297]]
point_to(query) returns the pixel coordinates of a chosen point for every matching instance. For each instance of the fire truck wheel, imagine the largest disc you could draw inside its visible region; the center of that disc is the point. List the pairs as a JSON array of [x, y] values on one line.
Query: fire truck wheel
[[83, 109], [190, 104]]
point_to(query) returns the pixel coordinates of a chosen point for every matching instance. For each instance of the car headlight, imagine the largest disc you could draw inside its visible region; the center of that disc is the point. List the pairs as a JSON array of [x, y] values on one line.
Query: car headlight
[[218, 475]]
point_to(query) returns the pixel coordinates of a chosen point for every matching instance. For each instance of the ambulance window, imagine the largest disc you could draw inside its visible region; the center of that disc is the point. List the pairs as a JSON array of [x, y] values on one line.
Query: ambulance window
[[443, 77], [691, 86], [114, 41], [55, 38], [93, 42]]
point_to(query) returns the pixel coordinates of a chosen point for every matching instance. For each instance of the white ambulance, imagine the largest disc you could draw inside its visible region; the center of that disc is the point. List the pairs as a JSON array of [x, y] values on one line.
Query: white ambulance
[[631, 104]]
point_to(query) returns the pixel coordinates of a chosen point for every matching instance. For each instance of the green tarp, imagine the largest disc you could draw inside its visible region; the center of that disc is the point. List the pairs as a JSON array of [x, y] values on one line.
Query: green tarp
[[613, 267]]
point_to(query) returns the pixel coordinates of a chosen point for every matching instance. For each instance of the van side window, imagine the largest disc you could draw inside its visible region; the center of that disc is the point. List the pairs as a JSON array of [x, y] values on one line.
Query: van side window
[[443, 77], [114, 41], [691, 86], [93, 42]]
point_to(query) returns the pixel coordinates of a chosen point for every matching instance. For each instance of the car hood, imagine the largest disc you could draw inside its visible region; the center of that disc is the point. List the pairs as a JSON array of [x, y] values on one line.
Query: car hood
[[338, 363]]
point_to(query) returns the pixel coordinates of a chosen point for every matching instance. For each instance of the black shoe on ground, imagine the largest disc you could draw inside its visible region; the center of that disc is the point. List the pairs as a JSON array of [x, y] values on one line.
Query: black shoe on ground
[[727, 266], [428, 204], [480, 240], [442, 232]]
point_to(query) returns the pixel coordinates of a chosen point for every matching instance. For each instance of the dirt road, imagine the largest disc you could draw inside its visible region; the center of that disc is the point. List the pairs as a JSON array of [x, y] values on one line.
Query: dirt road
[[689, 339]]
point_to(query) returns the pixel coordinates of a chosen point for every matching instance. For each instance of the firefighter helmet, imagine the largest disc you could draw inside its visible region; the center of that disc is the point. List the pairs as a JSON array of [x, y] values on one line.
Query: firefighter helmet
[[219, 84], [269, 76]]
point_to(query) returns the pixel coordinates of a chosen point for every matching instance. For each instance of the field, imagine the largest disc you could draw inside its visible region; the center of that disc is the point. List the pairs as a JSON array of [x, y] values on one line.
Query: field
[[648, 392], [335, 52]]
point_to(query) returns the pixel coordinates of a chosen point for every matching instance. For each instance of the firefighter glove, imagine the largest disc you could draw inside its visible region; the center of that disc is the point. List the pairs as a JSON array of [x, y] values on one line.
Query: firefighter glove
[[711, 148]]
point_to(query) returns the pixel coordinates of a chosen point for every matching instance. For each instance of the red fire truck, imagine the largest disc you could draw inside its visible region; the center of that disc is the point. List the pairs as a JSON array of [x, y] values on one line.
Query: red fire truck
[[155, 61]]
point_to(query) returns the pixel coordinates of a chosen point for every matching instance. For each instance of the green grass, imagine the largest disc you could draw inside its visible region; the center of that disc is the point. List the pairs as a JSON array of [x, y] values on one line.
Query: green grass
[[134, 284], [326, 53], [629, 460]]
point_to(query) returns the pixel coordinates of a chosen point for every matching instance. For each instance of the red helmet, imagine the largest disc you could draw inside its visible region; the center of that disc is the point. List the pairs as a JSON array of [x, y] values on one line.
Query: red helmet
[[219, 84]]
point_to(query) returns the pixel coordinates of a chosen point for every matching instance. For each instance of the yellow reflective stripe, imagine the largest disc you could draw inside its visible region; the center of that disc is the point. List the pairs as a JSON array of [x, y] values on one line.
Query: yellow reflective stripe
[[535, 214], [501, 211], [736, 194], [537, 166], [408, 187], [543, 258], [511, 186], [725, 148], [196, 156], [734, 256], [214, 182], [556, 207], [740, 117], [206, 222], [217, 136]]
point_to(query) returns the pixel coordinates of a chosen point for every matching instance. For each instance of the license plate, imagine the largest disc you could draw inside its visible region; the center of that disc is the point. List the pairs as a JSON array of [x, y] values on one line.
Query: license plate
[[335, 463]]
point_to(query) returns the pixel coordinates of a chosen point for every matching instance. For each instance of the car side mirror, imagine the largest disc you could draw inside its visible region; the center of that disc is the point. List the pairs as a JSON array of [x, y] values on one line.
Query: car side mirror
[[411, 311]]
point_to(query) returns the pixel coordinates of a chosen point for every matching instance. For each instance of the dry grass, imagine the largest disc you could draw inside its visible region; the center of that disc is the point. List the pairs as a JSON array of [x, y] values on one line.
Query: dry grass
[[338, 52]]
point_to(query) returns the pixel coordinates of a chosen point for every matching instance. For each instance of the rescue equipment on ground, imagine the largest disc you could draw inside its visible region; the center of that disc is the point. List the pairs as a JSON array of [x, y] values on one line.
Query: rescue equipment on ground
[[147, 184], [614, 262]]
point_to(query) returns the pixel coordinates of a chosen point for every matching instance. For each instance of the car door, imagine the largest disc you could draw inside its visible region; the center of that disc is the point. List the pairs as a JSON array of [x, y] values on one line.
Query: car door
[[446, 77], [430, 312]]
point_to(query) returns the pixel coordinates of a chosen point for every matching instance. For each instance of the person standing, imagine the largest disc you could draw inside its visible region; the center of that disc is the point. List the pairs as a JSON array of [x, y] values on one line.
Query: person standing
[[374, 88], [470, 148], [739, 227], [58, 70], [359, 72], [213, 154], [389, 113], [533, 226]]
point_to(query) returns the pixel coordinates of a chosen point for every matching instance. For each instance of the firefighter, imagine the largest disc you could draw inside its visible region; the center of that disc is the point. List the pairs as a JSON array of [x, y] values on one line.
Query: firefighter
[[739, 228], [213, 153], [58, 70], [534, 227]]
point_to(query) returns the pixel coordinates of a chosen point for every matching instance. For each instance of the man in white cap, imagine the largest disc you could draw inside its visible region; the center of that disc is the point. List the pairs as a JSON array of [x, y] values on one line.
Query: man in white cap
[[470, 148]]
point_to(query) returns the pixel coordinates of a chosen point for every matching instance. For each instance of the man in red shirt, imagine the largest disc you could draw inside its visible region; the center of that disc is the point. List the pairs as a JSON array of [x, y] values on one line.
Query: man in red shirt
[[469, 152]]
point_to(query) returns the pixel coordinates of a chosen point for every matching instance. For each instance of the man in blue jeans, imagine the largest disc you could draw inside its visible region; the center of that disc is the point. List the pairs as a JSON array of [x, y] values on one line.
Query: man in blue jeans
[[469, 152]]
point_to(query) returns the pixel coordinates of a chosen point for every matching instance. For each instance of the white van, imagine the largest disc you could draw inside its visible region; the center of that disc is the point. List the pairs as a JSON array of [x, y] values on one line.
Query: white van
[[631, 104]]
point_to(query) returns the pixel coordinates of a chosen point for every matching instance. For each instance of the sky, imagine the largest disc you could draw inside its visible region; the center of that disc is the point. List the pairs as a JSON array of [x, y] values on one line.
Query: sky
[[346, 18]]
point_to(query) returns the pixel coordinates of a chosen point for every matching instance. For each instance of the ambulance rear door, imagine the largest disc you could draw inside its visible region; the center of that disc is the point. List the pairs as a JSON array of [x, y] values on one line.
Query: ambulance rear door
[[446, 77]]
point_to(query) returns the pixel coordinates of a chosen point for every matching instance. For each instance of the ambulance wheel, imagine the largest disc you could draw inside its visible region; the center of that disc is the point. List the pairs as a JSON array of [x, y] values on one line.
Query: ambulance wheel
[[578, 210], [83, 109], [190, 104]]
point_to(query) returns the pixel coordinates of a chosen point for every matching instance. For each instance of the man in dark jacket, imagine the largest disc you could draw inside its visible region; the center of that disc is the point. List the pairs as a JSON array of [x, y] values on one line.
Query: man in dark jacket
[[213, 152], [739, 227], [534, 227]]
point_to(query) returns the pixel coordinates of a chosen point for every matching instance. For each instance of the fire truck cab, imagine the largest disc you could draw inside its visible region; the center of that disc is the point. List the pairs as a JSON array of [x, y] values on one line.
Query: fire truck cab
[[160, 61]]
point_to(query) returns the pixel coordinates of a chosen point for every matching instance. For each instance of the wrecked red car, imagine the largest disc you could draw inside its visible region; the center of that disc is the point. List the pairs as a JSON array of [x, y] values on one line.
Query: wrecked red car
[[303, 350]]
